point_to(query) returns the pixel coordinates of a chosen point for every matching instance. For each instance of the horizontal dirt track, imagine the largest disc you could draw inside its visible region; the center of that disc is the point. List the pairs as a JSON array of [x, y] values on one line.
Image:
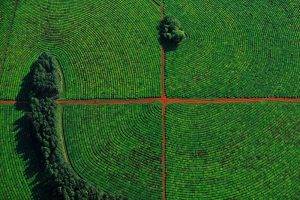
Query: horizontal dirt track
[[7, 102], [231, 100], [107, 101], [164, 100]]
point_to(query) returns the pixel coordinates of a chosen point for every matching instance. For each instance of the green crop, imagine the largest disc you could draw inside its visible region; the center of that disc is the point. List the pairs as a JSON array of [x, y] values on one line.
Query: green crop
[[117, 148], [242, 151], [106, 49], [235, 49], [15, 183]]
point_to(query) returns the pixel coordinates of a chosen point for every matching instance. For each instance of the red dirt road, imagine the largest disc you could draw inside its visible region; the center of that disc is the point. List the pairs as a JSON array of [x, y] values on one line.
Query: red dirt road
[[7, 102], [106, 101], [163, 71], [230, 100], [164, 100], [164, 155]]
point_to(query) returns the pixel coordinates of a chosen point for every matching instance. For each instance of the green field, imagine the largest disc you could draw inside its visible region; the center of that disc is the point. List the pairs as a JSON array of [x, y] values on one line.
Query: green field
[[13, 182], [117, 148], [107, 49], [233, 151], [6, 16], [237, 49]]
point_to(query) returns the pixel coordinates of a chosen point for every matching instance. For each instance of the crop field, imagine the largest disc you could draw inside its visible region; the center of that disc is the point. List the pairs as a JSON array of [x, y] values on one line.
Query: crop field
[[13, 181], [5, 18], [106, 49], [243, 151], [215, 116], [237, 49], [117, 148]]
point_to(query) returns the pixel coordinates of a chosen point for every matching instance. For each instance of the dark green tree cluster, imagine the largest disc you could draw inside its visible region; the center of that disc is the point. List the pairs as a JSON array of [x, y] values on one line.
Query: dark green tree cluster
[[170, 32], [63, 183], [44, 79]]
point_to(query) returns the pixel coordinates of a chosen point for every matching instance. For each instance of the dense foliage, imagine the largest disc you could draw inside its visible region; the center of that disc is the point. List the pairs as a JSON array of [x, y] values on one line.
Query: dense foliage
[[44, 81], [63, 182], [170, 32]]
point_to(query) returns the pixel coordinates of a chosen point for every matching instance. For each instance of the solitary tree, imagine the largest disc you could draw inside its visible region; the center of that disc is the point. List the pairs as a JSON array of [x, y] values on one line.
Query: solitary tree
[[170, 32]]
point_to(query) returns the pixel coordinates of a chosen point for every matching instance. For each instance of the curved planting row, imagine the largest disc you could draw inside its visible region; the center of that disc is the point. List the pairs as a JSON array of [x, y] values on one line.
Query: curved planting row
[[242, 151], [117, 148], [14, 181], [6, 21], [24, 47], [107, 49], [236, 49]]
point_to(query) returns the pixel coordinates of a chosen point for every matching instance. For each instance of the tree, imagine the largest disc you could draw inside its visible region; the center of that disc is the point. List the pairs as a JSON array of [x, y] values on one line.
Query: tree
[[170, 33], [43, 75], [62, 182]]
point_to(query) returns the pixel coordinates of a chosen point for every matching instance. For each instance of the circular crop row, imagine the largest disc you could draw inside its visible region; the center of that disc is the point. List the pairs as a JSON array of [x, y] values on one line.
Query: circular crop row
[[107, 49], [236, 151], [24, 46], [117, 148], [6, 21], [14, 183], [241, 49]]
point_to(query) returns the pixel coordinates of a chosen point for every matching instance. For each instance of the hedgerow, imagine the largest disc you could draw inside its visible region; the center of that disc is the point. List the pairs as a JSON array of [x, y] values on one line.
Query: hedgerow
[[63, 183]]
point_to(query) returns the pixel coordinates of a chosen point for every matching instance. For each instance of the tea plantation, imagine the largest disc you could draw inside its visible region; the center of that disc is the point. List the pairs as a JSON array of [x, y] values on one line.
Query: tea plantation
[[116, 148], [233, 151], [15, 179], [149, 99], [235, 49], [106, 49]]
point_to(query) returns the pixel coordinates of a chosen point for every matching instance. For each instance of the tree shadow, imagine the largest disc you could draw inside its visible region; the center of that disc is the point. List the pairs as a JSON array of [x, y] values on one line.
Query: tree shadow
[[23, 97], [51, 178], [167, 45], [26, 145]]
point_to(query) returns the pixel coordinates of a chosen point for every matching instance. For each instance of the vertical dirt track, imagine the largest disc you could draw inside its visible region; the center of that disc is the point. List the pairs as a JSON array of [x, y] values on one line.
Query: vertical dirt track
[[164, 101], [164, 156]]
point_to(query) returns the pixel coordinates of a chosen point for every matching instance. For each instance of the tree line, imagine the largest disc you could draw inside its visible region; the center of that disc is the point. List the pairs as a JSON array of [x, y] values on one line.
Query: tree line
[[63, 182]]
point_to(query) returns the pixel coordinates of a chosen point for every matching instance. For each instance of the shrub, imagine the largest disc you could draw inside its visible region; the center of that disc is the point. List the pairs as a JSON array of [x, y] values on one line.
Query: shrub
[[170, 32]]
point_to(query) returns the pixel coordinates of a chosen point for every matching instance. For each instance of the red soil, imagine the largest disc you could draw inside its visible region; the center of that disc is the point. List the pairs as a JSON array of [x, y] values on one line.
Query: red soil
[[106, 101], [163, 156], [7, 102], [231, 100], [165, 100]]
